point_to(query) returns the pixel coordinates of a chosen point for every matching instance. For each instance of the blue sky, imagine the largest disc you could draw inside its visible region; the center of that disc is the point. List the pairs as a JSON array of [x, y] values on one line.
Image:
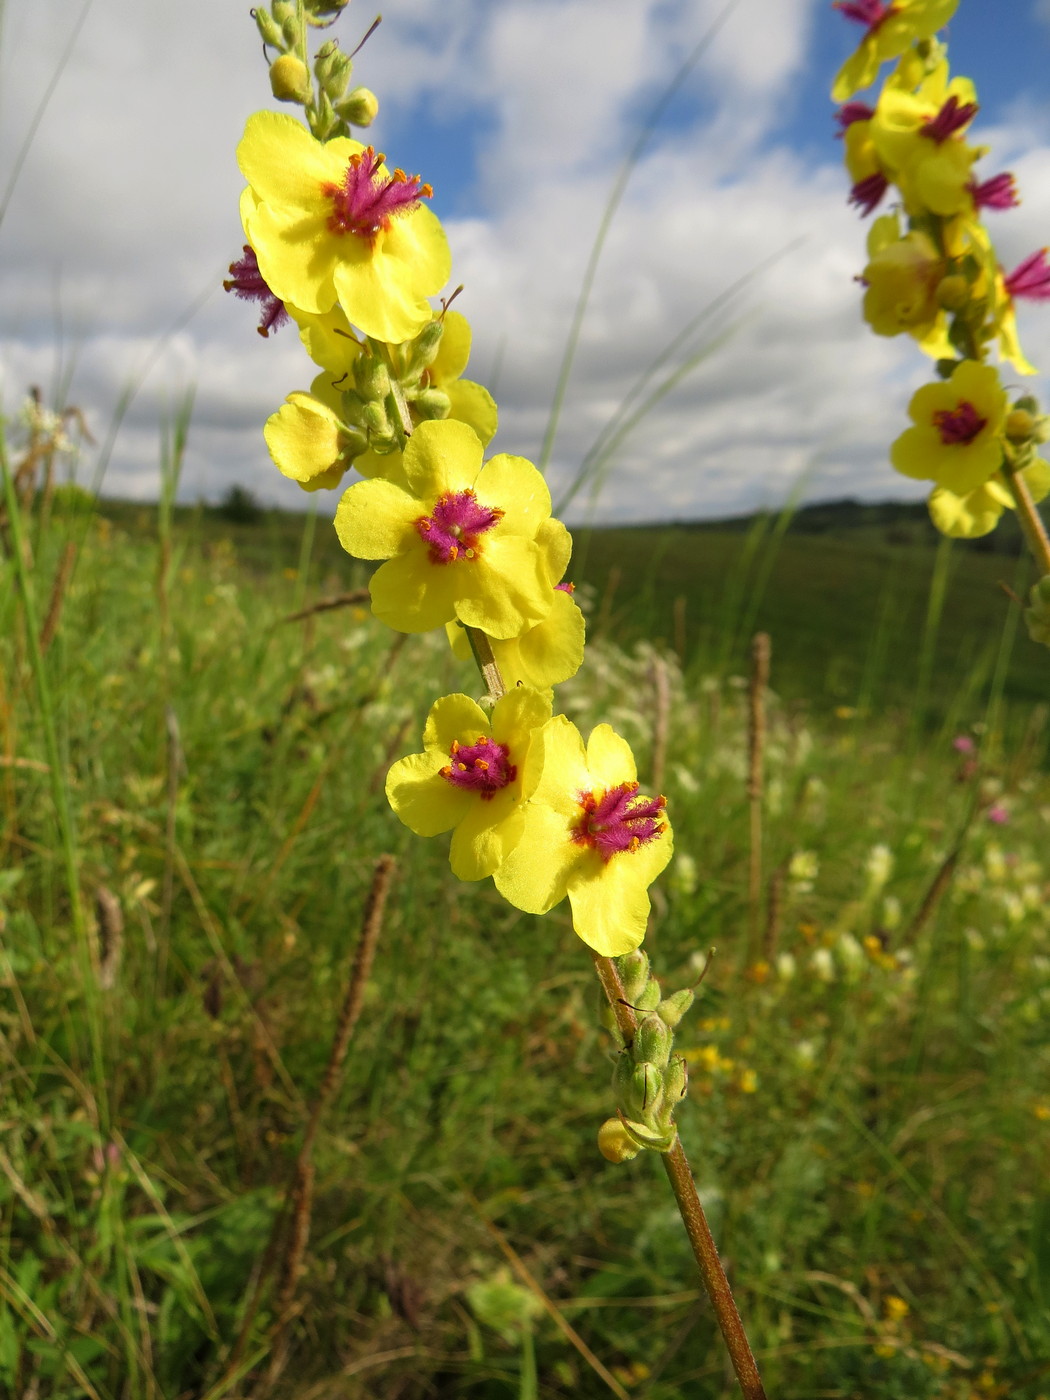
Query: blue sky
[[519, 113]]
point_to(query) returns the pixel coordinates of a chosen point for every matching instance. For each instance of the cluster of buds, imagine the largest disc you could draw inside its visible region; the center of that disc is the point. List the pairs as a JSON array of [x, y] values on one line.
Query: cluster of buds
[[332, 107], [649, 1081], [932, 270]]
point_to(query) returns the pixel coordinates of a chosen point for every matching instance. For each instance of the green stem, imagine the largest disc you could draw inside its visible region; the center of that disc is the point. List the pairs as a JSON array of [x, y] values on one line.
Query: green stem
[[705, 1251], [56, 770], [1030, 519]]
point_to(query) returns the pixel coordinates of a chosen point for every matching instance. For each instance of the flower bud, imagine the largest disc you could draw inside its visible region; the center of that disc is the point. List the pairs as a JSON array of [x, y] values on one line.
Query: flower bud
[[290, 79], [269, 29], [636, 1087], [614, 1142], [953, 292], [676, 1078], [432, 403], [652, 1042], [376, 421], [674, 1007], [1020, 425], [425, 346], [371, 377], [359, 107], [332, 68], [649, 998], [634, 974]]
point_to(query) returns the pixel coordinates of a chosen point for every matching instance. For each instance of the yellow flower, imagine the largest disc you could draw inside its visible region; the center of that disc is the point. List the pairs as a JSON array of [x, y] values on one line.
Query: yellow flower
[[977, 513], [902, 277], [891, 27], [461, 539], [957, 437], [471, 403], [330, 223], [916, 134], [550, 652], [588, 834], [308, 439], [469, 777]]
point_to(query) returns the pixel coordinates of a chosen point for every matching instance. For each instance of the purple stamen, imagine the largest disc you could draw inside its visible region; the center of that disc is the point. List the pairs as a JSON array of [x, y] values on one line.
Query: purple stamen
[[248, 283], [869, 12], [366, 201], [483, 767], [867, 193], [618, 820], [1031, 278], [952, 117], [453, 526], [959, 426], [1000, 192], [565, 587], [853, 112]]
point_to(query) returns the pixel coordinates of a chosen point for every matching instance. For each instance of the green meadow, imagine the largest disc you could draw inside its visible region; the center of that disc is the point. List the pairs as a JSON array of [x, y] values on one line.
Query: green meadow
[[869, 1107]]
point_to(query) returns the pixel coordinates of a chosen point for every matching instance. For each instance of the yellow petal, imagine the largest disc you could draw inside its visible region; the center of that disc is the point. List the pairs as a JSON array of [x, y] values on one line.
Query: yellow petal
[[473, 404], [609, 757], [514, 484], [376, 519], [442, 456], [410, 593], [453, 351], [422, 799]]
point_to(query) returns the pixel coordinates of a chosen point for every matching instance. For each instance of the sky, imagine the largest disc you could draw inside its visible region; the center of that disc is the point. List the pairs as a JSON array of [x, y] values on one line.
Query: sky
[[733, 239]]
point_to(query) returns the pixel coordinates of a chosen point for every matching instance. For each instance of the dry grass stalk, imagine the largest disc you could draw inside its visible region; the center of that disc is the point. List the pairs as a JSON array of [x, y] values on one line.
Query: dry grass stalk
[[110, 918], [302, 1189], [338, 600], [58, 595], [661, 719], [756, 748]]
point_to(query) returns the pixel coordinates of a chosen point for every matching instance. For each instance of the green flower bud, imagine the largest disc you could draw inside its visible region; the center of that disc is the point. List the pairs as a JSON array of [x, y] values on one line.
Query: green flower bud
[[269, 29], [636, 1087], [674, 1007], [359, 107], [649, 998], [290, 79], [324, 10], [375, 420], [425, 346], [431, 403], [1020, 425], [614, 1142], [652, 1042], [953, 292], [333, 69], [371, 377], [634, 974], [1037, 616], [676, 1080]]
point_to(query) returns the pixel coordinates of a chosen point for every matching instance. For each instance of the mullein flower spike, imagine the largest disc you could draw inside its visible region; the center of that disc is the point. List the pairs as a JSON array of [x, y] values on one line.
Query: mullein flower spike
[[937, 278]]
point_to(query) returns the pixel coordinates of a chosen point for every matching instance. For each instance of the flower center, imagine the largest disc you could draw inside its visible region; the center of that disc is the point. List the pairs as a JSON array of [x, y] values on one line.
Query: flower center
[[366, 201], [869, 12], [247, 282], [483, 767], [617, 820], [453, 526], [959, 426], [952, 117]]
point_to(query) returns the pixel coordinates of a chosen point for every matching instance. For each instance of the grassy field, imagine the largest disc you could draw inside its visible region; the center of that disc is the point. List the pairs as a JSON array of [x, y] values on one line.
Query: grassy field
[[869, 1114]]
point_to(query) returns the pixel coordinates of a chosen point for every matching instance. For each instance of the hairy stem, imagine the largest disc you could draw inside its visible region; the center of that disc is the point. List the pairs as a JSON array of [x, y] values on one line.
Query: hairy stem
[[1030, 519], [705, 1251]]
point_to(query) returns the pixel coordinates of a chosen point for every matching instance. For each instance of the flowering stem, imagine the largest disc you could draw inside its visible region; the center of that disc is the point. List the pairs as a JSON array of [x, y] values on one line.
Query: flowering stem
[[1031, 521], [705, 1251], [490, 672]]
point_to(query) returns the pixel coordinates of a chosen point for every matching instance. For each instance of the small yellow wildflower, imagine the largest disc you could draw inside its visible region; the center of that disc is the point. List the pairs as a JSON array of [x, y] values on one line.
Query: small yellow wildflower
[[957, 437], [891, 27], [589, 834]]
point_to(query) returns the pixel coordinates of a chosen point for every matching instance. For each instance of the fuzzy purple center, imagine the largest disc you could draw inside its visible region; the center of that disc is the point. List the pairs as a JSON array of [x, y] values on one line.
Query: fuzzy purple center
[[366, 201], [1000, 192], [1031, 278], [869, 12], [453, 527], [852, 112], [483, 767], [617, 820], [959, 426], [952, 117], [247, 282], [867, 194]]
